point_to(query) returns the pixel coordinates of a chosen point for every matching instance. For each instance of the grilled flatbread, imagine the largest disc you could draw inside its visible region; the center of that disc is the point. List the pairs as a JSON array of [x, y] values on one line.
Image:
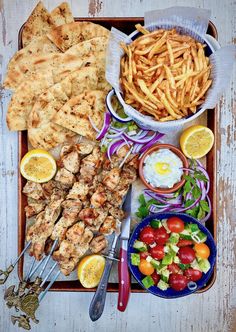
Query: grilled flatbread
[[62, 14], [38, 46], [86, 54], [42, 133], [67, 35], [24, 98], [75, 114], [38, 24]]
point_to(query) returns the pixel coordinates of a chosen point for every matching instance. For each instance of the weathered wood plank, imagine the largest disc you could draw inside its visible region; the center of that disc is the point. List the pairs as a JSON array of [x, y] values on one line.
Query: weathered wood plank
[[211, 311]]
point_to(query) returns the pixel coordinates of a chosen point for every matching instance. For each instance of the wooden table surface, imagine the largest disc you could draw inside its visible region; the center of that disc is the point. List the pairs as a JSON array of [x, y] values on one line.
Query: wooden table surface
[[210, 311]]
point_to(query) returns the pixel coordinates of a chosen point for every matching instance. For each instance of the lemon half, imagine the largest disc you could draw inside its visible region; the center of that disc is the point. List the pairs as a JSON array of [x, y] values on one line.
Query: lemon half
[[196, 141], [38, 166], [90, 270]]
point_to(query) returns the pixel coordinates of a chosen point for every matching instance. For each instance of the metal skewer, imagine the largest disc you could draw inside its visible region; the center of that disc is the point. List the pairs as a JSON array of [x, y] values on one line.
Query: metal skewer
[[10, 268]]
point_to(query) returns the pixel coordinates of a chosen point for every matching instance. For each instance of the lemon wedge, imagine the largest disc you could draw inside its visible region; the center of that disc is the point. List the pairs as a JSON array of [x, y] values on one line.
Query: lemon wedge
[[90, 270], [196, 141], [38, 166]]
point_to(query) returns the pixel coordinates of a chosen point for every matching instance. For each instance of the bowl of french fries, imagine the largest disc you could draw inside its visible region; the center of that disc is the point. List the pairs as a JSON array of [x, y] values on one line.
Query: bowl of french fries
[[164, 77]]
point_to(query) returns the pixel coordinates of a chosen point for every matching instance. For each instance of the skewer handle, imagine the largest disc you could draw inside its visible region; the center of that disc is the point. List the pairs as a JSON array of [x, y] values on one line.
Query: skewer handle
[[98, 302], [6, 274]]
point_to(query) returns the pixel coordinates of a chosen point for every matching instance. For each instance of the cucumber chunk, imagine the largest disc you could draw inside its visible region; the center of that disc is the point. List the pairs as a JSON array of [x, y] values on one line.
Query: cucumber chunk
[[135, 259], [165, 275], [155, 263], [204, 265], [174, 238], [168, 259], [140, 246], [162, 285], [156, 223], [148, 282]]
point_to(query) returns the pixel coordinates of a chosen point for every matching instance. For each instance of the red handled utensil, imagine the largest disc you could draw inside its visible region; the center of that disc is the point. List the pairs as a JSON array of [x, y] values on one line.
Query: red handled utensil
[[123, 271]]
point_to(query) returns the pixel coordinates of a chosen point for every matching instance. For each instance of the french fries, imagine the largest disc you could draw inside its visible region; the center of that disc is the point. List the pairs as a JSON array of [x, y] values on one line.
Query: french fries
[[164, 74]]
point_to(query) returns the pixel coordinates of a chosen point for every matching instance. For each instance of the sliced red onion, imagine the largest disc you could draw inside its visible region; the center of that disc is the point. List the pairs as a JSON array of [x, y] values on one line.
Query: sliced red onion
[[157, 195], [140, 140], [152, 142], [106, 124], [93, 125], [209, 213], [189, 207], [154, 209], [204, 172], [114, 135], [112, 147]]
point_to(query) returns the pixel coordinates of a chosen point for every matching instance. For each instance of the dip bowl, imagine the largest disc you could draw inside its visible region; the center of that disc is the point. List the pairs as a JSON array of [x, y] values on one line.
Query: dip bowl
[[178, 153]]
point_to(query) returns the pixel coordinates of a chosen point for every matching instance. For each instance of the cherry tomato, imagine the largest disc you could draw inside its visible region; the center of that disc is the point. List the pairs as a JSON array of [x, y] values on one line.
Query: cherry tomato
[[193, 274], [173, 268], [157, 252], [147, 235], [175, 224], [186, 255], [178, 281], [161, 235], [156, 277], [202, 250], [184, 243], [145, 267], [144, 254]]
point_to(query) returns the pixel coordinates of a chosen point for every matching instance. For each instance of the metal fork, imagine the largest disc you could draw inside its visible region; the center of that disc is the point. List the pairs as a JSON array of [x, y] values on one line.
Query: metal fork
[[98, 302]]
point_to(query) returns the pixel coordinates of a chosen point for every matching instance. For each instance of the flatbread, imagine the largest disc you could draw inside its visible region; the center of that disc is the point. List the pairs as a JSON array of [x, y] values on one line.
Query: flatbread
[[24, 98], [38, 46], [67, 35], [75, 114], [62, 14], [42, 133], [59, 64], [38, 24]]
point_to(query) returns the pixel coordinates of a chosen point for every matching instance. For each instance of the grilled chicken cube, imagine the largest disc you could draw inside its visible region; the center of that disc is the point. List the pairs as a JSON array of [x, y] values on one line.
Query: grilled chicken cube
[[108, 226], [88, 215], [34, 207], [101, 216], [114, 211], [70, 161], [75, 246], [112, 179], [90, 165], [48, 188], [78, 191], [72, 209], [99, 197], [65, 177], [33, 190], [84, 148], [98, 244], [75, 233]]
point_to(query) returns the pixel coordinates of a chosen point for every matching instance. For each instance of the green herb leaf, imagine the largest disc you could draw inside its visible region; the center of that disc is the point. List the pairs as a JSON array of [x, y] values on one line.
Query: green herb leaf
[[142, 200], [184, 266], [200, 176], [196, 192], [190, 179], [187, 188], [201, 214], [204, 205]]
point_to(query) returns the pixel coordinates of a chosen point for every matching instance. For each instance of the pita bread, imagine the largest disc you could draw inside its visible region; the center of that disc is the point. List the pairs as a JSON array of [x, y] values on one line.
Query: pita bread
[[38, 46], [38, 24], [24, 98], [67, 35], [75, 114], [62, 14], [59, 64], [50, 102]]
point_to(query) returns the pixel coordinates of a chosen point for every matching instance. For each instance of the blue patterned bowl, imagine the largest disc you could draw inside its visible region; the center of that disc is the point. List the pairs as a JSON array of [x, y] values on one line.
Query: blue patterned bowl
[[171, 293]]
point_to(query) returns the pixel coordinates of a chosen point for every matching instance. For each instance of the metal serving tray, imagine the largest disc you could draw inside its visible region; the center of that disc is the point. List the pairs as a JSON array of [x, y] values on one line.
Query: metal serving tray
[[127, 25]]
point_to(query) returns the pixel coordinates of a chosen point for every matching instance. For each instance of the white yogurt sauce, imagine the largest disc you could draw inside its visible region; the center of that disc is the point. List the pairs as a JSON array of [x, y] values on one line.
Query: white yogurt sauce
[[162, 169]]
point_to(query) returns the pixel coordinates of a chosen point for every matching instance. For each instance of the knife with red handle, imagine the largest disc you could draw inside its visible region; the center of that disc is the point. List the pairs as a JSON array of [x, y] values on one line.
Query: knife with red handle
[[123, 271]]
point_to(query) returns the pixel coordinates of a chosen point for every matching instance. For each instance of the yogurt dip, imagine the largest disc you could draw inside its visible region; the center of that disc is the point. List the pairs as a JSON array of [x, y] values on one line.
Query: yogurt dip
[[162, 169]]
